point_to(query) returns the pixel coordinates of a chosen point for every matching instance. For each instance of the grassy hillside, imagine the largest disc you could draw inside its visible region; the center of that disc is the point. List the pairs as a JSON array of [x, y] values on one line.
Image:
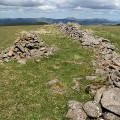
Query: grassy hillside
[[110, 32], [23, 91], [24, 94]]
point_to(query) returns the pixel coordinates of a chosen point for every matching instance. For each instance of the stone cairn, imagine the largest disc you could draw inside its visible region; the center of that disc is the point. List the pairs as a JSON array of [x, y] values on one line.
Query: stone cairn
[[106, 103], [26, 46]]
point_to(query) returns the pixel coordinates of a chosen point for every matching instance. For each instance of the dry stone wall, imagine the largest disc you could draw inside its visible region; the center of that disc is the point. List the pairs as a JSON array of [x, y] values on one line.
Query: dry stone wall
[[106, 103]]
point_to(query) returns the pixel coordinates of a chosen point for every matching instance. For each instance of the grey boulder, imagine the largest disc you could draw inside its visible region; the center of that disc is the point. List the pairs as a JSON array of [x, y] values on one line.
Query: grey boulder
[[111, 100], [93, 109], [76, 111]]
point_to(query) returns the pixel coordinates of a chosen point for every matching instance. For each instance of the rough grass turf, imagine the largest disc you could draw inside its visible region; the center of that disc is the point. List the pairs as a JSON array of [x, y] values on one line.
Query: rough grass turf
[[23, 91]]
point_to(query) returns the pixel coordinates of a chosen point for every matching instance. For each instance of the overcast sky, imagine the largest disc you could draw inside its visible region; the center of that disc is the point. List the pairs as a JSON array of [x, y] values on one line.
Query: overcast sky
[[108, 9]]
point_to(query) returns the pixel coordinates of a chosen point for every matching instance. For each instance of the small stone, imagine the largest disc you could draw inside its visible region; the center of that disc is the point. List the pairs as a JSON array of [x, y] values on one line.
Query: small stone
[[93, 109], [117, 83], [108, 45], [91, 89], [114, 78], [94, 63], [76, 111], [5, 55], [21, 48], [76, 85], [15, 49], [116, 61], [86, 43], [52, 82], [33, 52], [106, 51], [43, 48], [105, 40], [91, 77], [100, 71], [100, 118], [38, 60], [10, 53], [56, 87], [56, 67], [22, 61], [99, 94], [27, 51]]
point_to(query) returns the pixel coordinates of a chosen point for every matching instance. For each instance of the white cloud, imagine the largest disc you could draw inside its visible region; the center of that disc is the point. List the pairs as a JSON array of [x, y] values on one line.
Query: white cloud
[[99, 6], [46, 7], [46, 4], [24, 3]]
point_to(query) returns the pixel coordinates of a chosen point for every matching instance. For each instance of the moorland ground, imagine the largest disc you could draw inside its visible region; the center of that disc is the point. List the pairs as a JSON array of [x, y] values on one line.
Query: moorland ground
[[23, 91]]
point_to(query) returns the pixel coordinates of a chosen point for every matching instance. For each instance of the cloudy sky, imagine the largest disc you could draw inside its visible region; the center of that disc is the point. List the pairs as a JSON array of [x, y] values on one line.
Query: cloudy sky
[[108, 9]]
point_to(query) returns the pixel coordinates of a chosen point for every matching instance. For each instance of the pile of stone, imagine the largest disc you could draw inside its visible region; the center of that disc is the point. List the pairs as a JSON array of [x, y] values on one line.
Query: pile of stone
[[84, 37], [73, 31], [107, 59], [28, 45], [106, 106], [106, 103]]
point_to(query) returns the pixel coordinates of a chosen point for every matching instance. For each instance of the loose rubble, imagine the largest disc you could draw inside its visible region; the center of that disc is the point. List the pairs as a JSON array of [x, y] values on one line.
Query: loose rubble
[[106, 103], [26, 46]]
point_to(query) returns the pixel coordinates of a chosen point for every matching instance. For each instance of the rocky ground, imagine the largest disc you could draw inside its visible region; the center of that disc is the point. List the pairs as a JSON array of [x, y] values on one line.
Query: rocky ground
[[106, 103]]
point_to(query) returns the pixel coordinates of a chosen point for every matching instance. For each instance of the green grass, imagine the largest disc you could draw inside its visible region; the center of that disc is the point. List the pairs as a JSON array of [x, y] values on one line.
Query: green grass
[[110, 32], [8, 34], [23, 91]]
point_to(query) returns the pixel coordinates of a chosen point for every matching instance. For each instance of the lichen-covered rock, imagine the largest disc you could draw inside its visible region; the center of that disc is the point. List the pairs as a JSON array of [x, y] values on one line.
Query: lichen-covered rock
[[99, 94], [114, 78], [76, 111], [93, 109], [111, 100]]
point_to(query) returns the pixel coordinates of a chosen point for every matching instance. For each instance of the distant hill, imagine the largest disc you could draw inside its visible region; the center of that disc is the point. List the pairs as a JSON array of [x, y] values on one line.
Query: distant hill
[[118, 24], [43, 20], [21, 21]]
